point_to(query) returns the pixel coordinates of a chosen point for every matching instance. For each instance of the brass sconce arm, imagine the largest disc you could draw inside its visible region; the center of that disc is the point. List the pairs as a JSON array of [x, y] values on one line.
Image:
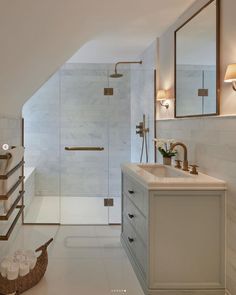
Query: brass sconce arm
[[166, 105]]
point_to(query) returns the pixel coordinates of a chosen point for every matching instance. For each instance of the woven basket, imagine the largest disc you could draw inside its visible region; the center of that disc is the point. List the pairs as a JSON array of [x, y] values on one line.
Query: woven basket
[[22, 284]]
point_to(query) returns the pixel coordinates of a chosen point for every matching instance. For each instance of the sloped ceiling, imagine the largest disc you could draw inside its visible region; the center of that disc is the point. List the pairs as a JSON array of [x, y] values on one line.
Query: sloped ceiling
[[38, 36]]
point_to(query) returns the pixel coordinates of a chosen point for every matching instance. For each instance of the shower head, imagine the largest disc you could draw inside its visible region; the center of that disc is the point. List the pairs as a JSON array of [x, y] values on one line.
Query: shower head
[[117, 75]]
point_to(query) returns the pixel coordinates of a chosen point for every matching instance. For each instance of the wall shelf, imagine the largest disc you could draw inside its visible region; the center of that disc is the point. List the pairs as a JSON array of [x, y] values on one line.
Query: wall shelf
[[15, 191], [13, 224], [14, 205]]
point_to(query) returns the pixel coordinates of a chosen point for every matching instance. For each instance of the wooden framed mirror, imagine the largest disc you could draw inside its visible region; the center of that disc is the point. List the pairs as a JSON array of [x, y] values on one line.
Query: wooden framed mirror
[[197, 62]]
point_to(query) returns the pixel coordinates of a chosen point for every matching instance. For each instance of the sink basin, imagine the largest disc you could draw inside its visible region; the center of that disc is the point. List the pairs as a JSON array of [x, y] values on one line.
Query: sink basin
[[157, 176], [164, 171]]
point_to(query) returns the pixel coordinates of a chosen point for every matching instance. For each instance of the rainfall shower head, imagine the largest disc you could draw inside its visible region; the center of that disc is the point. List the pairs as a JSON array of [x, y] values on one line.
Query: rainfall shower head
[[117, 75]]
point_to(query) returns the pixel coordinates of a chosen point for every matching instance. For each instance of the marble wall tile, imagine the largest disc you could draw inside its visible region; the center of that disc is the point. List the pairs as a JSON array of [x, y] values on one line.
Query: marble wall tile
[[71, 110], [211, 145], [142, 101]]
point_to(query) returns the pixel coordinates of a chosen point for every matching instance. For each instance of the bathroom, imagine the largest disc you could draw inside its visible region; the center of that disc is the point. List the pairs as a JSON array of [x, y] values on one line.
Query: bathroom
[[63, 104]]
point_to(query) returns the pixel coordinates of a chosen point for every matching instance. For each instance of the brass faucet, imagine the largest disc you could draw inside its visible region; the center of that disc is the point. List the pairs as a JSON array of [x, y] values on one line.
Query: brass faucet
[[185, 161]]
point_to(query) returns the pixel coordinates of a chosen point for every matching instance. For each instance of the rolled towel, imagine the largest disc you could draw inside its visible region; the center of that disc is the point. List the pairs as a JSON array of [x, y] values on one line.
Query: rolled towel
[[4, 267], [10, 258], [19, 252], [29, 253], [31, 258], [24, 268], [13, 271], [20, 258]]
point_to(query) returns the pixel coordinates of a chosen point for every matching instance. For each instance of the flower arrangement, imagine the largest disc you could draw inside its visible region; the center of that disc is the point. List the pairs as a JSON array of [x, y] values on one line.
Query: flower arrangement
[[164, 147]]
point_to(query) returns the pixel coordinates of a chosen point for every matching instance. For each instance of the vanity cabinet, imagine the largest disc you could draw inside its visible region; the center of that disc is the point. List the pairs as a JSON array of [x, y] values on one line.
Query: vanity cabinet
[[175, 239]]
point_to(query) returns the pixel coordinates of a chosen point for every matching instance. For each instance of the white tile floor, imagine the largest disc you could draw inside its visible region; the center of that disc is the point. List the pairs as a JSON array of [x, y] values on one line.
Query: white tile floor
[[86, 260]]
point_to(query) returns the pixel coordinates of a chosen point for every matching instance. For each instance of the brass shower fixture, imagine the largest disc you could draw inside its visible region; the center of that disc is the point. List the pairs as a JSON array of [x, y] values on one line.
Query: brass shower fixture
[[116, 74]]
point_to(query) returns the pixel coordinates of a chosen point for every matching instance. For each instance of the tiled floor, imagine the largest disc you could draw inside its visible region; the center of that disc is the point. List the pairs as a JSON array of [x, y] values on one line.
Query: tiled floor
[[86, 260]]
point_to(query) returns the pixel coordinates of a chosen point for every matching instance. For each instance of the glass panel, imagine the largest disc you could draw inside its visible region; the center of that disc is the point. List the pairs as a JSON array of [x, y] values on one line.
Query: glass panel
[[119, 137], [84, 123], [41, 115]]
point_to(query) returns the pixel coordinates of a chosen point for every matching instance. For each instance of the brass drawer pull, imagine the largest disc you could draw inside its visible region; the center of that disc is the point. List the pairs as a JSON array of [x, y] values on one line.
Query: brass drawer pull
[[131, 216], [131, 192], [130, 240], [84, 148]]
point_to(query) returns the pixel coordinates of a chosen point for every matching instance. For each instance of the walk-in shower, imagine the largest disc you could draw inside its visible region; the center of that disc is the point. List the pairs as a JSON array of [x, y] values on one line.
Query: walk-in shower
[[116, 74], [75, 139]]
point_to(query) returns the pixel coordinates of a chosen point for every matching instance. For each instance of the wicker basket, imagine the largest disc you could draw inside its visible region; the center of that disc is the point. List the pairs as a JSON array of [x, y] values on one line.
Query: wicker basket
[[22, 284]]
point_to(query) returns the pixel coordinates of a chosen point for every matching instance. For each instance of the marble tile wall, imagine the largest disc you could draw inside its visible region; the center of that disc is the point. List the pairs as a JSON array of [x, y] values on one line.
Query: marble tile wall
[[142, 101], [211, 144], [71, 110]]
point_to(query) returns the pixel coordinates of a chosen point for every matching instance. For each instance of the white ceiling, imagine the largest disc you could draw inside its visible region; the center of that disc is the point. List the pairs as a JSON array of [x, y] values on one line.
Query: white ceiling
[[38, 36], [129, 28]]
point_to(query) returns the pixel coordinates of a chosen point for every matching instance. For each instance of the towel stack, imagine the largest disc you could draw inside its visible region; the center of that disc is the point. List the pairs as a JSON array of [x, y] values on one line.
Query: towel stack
[[17, 155], [19, 264]]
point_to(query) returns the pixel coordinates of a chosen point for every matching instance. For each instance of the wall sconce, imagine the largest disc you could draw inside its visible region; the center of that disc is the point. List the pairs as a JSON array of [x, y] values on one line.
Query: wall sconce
[[230, 76], [161, 97]]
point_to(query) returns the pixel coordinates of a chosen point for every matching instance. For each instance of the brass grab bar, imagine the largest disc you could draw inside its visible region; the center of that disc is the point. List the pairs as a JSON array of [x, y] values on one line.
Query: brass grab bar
[[84, 148]]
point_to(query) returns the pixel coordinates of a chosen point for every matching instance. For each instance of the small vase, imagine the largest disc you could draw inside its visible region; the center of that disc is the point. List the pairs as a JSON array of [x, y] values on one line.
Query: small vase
[[166, 160]]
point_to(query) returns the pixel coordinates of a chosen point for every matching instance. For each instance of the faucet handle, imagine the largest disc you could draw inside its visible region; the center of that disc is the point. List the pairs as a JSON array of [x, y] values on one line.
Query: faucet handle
[[194, 169], [178, 164]]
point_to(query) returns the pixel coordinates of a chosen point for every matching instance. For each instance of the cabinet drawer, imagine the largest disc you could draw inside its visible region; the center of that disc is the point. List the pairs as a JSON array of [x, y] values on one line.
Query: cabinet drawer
[[136, 246], [136, 218], [136, 193]]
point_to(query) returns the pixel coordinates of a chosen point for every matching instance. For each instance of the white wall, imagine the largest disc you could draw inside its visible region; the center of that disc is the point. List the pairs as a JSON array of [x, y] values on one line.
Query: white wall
[[211, 141]]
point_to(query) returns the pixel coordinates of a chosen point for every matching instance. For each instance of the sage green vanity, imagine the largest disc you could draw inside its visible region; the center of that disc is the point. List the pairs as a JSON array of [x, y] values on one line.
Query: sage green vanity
[[173, 229]]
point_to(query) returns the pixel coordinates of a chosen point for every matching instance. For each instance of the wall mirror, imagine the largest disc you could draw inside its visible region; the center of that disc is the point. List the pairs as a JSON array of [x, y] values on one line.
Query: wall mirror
[[197, 64]]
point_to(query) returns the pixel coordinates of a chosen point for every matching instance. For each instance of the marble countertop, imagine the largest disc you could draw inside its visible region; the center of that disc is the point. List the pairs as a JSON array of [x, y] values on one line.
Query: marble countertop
[[170, 178]]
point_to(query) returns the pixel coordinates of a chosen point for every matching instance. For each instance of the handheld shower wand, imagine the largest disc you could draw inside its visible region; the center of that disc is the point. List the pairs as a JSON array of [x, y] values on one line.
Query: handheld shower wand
[[142, 131]]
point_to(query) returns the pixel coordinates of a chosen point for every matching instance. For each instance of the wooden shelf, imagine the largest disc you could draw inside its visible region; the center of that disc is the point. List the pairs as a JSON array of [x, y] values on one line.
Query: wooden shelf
[[5, 157], [11, 191], [12, 226], [14, 205], [13, 170]]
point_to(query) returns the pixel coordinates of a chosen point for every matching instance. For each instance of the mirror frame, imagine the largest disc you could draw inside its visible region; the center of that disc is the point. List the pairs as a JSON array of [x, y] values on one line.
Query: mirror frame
[[217, 59]]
